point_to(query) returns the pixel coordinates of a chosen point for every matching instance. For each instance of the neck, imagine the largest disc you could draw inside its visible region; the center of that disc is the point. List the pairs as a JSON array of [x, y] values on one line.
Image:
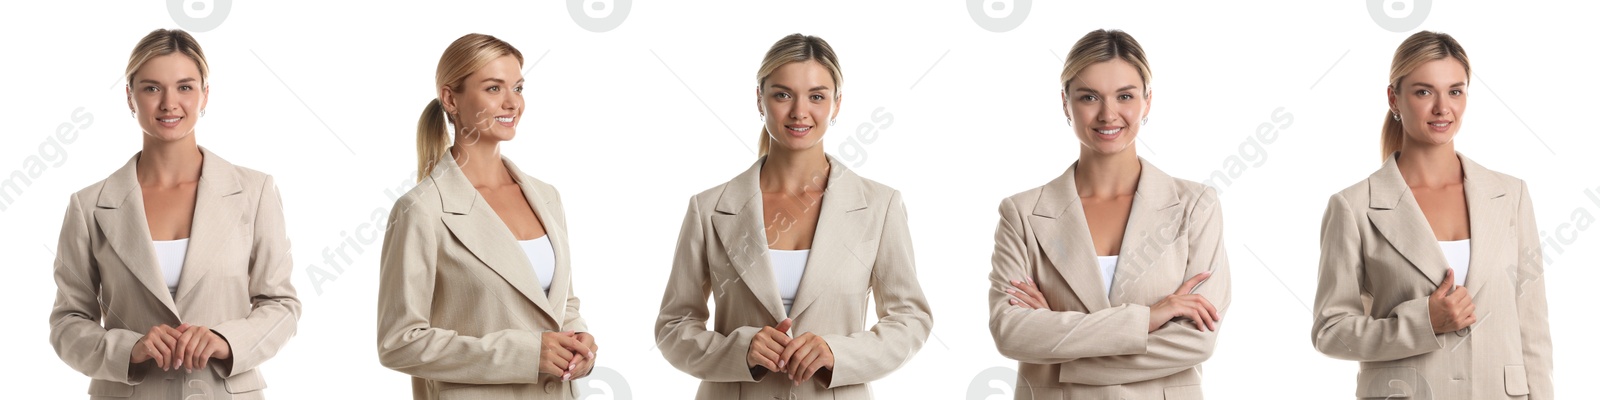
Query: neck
[[1107, 175], [169, 163], [1425, 165], [795, 171], [480, 162]]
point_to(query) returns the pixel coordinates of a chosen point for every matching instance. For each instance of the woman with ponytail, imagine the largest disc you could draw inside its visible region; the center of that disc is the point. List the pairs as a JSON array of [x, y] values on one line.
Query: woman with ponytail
[[790, 250], [1431, 274], [475, 296]]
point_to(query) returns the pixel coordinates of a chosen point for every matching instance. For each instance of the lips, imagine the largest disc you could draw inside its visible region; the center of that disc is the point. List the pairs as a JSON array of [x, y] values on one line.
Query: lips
[[797, 130], [1440, 125], [1109, 133], [505, 120], [169, 121]]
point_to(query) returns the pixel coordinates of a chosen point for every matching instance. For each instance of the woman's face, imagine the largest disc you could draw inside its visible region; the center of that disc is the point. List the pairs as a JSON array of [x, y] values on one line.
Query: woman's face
[[488, 105], [166, 95], [1105, 104], [1430, 101], [797, 101]]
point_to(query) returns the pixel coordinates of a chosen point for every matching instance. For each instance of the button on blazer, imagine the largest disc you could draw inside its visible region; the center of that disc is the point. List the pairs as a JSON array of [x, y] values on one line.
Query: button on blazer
[[460, 308], [1092, 344], [1380, 261], [110, 290], [861, 248]]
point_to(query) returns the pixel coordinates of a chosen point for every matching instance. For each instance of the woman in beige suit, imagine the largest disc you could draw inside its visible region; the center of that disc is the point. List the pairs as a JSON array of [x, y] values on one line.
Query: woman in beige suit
[[172, 275], [1431, 274], [1109, 281], [475, 298], [790, 250]]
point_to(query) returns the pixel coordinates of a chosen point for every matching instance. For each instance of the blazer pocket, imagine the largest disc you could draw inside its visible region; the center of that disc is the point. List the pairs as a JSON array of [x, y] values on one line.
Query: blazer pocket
[[1186, 392], [1388, 383], [1516, 380], [244, 383], [109, 389]]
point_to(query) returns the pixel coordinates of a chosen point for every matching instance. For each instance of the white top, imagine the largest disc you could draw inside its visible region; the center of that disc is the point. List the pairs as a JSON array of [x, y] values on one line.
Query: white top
[[1457, 253], [1108, 269], [788, 266], [169, 255], [543, 257]]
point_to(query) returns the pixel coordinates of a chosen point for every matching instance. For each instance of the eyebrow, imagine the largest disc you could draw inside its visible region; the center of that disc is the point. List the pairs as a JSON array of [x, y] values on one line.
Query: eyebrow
[[1454, 85], [1121, 89], [501, 81], [814, 89], [184, 80]]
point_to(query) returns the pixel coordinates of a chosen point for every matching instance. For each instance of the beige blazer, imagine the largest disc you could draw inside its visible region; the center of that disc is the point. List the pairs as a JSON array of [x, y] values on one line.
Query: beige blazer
[[1380, 261], [460, 308], [235, 280], [861, 248], [1092, 344]]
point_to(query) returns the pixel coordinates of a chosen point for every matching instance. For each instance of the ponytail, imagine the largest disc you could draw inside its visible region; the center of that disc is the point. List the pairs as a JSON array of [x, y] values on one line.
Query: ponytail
[[765, 142], [432, 139], [1393, 133]]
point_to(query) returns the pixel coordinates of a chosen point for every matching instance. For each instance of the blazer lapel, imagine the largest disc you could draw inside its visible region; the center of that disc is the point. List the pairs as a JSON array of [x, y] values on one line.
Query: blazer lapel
[[119, 212], [482, 232], [1394, 212], [549, 215], [218, 203], [1152, 222], [1486, 209], [739, 226], [837, 240], [1063, 232]]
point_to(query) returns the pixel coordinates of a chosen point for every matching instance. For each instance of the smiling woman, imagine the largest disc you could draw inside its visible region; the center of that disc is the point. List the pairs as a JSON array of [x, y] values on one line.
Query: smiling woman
[[173, 274]]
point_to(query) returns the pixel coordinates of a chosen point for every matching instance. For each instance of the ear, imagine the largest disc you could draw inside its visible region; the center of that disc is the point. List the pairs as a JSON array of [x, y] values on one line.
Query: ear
[[761, 107], [205, 95], [129, 91], [837, 100], [1149, 98], [1065, 108], [1394, 106], [447, 98]]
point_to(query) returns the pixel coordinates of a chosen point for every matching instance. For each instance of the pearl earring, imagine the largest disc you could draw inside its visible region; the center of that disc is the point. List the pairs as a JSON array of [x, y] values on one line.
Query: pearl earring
[[1144, 121], [831, 122], [1396, 116]]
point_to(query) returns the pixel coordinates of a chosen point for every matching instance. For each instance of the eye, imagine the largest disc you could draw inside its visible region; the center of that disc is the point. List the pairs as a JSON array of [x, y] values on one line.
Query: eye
[[185, 88], [1089, 97], [1124, 97], [1424, 92], [1457, 92], [517, 89], [152, 88], [493, 89], [781, 96], [817, 97]]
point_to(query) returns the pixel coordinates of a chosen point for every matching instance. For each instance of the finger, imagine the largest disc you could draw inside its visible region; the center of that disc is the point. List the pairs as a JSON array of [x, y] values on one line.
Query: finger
[[1032, 290], [1021, 298], [195, 341], [1448, 284], [811, 365], [797, 363], [203, 357], [1210, 309], [181, 344], [791, 348], [549, 367], [784, 325], [572, 366], [572, 345], [1188, 285]]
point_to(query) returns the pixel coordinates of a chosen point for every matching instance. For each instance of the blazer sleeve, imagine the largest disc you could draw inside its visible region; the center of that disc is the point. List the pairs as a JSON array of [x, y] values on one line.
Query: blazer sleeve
[[1049, 336], [1176, 346], [75, 329], [681, 332], [274, 309], [1342, 327], [1533, 314], [904, 318], [407, 341]]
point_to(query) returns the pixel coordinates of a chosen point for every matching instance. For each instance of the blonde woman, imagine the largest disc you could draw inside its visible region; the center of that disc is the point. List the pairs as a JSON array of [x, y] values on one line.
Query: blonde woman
[[475, 298], [1431, 274], [790, 250], [172, 275], [1111, 280]]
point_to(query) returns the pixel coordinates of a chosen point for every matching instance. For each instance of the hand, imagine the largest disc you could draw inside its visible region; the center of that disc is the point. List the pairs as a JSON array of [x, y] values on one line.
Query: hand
[[1027, 295], [767, 345], [559, 353], [1183, 304], [157, 344], [1449, 307], [197, 346], [583, 362], [806, 354]]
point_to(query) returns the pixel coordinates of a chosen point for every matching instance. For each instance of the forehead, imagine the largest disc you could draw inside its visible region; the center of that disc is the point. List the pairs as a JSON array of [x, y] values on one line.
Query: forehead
[[168, 67], [1108, 75], [806, 74], [1446, 71], [504, 67]]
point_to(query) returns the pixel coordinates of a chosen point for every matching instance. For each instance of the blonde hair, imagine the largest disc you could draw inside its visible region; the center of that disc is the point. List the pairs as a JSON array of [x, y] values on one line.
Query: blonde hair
[[1420, 48], [162, 42], [1105, 45], [464, 56], [792, 49]]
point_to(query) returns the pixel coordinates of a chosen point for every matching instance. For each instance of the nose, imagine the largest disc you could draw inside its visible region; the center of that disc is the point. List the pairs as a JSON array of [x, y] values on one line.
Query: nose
[[800, 110], [1108, 111], [1440, 104]]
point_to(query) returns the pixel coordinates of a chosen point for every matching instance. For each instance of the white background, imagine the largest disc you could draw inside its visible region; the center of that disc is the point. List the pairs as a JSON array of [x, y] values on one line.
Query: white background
[[629, 123]]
